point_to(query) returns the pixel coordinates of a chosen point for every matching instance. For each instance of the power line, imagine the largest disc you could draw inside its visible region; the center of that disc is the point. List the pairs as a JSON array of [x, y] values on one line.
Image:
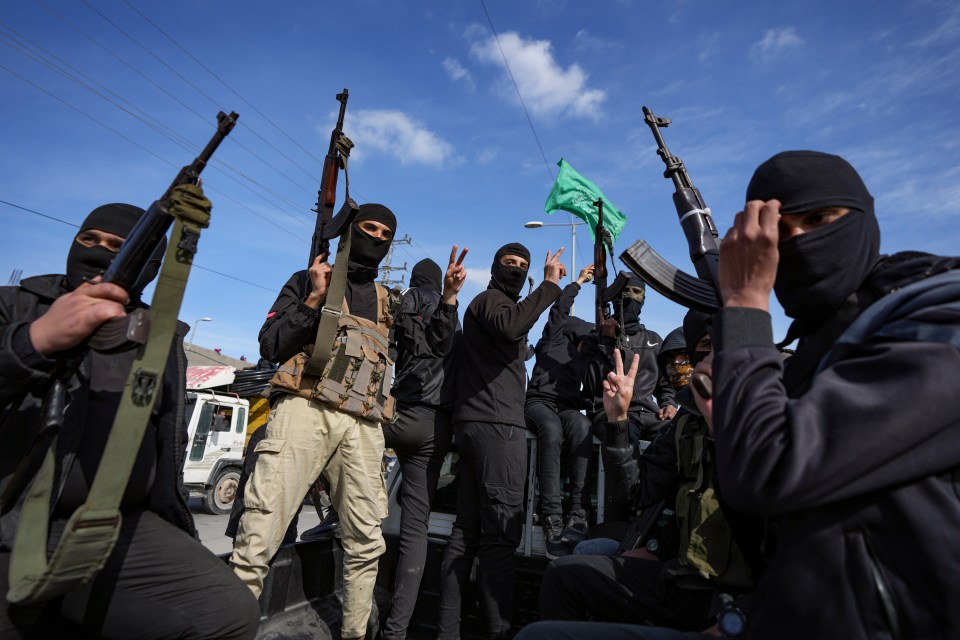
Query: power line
[[17, 206], [222, 81], [159, 128], [85, 115], [195, 266], [517, 88], [170, 94]]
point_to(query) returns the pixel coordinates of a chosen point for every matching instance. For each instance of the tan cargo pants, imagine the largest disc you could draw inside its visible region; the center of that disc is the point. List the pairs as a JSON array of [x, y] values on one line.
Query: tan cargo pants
[[303, 439]]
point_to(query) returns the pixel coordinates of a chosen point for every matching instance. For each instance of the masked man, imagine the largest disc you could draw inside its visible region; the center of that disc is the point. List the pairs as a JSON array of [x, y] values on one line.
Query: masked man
[[491, 439], [309, 430], [149, 585], [624, 330]]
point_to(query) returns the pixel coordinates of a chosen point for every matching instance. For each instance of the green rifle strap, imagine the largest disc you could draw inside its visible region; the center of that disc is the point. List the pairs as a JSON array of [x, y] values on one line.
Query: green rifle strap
[[332, 309], [92, 530]]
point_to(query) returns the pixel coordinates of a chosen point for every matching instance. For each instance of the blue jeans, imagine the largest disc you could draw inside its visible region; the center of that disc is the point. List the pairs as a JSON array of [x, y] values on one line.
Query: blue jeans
[[566, 630], [597, 547]]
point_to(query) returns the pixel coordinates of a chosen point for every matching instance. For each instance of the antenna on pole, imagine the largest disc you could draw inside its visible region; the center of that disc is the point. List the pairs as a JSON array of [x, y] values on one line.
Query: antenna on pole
[[387, 267]]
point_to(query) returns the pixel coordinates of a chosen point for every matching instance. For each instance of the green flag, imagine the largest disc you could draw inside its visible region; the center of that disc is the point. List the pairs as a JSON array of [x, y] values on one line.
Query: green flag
[[574, 193]]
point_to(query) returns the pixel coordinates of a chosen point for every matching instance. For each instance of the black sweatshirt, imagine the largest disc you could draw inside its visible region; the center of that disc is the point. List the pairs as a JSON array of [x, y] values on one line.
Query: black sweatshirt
[[597, 354], [290, 324], [863, 466], [556, 374], [426, 333], [491, 376]]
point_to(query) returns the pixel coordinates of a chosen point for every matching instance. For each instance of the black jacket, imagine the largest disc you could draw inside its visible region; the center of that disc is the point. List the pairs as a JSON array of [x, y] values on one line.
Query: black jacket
[[597, 355], [558, 369], [862, 464], [24, 377], [426, 333], [491, 377]]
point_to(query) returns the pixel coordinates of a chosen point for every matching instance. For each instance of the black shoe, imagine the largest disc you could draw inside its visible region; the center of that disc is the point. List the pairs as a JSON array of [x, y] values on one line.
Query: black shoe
[[329, 525], [552, 532], [576, 529]]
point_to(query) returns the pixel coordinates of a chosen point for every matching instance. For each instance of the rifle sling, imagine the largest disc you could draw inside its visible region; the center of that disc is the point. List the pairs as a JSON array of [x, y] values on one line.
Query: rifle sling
[[331, 310], [92, 530]]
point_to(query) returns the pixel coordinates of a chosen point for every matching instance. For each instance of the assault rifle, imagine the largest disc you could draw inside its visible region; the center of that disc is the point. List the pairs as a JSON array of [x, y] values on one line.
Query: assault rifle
[[143, 241], [328, 225], [600, 265], [700, 293]]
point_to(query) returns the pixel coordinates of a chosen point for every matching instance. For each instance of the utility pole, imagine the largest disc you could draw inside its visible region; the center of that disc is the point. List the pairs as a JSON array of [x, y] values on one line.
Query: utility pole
[[387, 268]]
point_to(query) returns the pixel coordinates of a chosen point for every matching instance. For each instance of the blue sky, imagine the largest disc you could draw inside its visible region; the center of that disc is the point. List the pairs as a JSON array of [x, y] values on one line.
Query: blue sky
[[441, 136]]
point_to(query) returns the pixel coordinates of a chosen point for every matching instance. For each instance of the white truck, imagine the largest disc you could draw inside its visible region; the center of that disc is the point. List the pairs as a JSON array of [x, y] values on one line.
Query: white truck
[[218, 424]]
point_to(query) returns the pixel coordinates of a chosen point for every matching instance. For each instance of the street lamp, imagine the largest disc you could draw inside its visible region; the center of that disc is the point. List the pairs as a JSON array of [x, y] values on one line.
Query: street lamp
[[196, 325], [536, 224]]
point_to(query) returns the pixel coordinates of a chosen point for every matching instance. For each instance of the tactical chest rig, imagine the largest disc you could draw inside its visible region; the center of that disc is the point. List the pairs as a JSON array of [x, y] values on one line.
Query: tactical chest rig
[[348, 367]]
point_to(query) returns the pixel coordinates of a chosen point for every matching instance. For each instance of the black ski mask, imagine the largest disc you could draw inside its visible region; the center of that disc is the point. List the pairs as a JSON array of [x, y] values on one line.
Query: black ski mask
[[366, 252], [819, 269], [427, 274], [509, 280], [85, 263], [696, 325], [630, 304]]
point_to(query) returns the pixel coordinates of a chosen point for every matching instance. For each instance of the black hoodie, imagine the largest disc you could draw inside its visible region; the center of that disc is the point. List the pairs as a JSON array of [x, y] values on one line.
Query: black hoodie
[[558, 369]]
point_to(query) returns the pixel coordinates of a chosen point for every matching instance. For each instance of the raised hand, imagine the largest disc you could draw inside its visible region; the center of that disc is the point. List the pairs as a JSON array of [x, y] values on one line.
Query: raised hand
[[749, 256], [320, 272], [74, 316], [553, 269], [586, 275], [618, 388], [455, 276]]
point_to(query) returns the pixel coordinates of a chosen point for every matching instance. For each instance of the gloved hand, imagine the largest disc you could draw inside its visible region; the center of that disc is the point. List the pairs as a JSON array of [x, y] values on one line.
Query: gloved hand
[[188, 202]]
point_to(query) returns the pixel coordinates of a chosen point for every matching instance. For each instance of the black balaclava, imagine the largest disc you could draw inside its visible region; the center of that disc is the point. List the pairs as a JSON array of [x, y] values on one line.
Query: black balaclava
[[427, 274], [86, 263], [509, 280], [366, 252], [629, 306], [820, 269], [696, 325]]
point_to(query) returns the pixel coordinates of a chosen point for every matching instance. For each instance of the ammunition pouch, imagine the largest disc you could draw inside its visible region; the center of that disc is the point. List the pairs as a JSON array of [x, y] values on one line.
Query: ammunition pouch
[[358, 375], [707, 546]]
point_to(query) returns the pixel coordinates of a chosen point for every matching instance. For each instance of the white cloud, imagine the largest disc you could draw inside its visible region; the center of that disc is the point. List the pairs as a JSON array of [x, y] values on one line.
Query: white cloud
[[547, 88], [457, 71], [486, 156], [776, 42], [479, 278], [711, 46], [587, 42], [396, 134]]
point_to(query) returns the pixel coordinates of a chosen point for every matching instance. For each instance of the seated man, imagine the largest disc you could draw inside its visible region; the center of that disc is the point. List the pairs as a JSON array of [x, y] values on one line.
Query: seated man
[[149, 585], [552, 412], [676, 588], [852, 442], [624, 331]]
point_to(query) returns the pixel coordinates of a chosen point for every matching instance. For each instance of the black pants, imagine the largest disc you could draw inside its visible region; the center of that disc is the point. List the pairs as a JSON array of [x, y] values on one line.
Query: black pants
[[420, 437], [158, 583], [619, 589], [489, 525], [558, 428]]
